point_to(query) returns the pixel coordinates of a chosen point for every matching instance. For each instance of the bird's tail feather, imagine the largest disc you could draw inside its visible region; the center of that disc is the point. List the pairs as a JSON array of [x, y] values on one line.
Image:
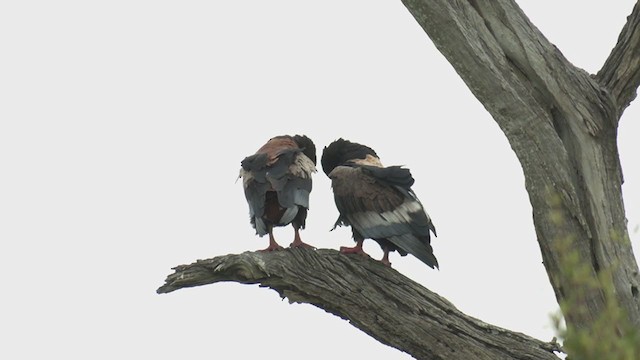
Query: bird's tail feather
[[414, 246]]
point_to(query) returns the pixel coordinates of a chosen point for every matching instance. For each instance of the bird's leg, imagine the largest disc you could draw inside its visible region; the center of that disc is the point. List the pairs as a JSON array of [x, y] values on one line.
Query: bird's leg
[[385, 258], [273, 245], [297, 241], [354, 250]]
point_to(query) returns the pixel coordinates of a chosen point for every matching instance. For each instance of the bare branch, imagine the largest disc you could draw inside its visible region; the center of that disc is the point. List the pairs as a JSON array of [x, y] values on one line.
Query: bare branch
[[621, 71], [374, 298]]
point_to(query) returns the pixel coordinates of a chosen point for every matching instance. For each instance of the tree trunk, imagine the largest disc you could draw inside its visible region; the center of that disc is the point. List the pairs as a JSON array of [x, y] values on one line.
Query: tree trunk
[[372, 297], [562, 124]]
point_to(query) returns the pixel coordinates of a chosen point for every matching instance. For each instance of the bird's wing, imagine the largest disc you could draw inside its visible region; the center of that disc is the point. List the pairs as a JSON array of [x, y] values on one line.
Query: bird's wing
[[379, 204], [392, 175], [402, 180]]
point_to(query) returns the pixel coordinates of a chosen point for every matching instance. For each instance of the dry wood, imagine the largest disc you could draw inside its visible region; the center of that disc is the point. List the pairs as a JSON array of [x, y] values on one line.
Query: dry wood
[[374, 298]]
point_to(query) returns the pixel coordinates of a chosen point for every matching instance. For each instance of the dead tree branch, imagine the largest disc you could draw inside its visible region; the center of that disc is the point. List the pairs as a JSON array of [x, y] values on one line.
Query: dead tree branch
[[376, 299]]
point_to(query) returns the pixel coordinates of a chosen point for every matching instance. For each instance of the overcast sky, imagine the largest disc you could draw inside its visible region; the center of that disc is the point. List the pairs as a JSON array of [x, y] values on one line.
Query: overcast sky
[[122, 127]]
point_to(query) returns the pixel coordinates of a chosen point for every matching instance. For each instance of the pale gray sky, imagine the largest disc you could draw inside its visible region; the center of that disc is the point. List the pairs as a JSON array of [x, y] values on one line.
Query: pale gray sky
[[123, 126]]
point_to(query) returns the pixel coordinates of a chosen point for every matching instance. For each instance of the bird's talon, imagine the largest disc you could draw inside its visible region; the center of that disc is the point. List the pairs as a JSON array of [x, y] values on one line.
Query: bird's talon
[[272, 248], [353, 250], [301, 245]]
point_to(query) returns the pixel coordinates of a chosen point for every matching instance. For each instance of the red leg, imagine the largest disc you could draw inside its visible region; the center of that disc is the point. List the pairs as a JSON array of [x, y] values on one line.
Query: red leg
[[385, 258], [273, 245], [354, 250], [297, 242]]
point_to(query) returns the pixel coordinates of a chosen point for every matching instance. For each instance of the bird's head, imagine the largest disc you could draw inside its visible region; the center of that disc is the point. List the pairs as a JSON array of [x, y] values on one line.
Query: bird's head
[[342, 151], [309, 148]]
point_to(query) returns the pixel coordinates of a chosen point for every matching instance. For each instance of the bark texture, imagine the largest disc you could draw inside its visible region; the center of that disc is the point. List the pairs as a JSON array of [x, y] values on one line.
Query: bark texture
[[374, 298], [620, 74], [562, 124]]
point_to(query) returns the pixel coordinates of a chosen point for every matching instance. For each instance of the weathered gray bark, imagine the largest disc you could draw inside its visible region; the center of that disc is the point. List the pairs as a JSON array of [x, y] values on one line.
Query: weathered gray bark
[[562, 124], [376, 299], [620, 74]]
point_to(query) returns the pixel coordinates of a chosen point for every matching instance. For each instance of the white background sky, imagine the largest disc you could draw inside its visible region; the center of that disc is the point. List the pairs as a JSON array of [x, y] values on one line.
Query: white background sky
[[122, 127]]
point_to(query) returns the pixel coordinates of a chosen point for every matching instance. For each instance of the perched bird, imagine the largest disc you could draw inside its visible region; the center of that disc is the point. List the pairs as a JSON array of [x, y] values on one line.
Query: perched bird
[[277, 184], [377, 202]]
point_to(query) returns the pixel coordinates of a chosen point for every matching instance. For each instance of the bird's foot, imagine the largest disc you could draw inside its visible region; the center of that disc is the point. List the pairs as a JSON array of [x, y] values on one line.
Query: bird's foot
[[299, 244], [385, 258], [353, 250], [386, 262], [272, 247]]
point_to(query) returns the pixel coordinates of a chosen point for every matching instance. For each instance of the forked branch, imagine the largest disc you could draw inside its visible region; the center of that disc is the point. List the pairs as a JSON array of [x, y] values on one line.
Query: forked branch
[[621, 71]]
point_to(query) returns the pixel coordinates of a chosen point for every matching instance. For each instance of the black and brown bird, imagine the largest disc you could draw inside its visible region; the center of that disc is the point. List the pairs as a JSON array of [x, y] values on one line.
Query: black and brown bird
[[377, 202], [277, 184]]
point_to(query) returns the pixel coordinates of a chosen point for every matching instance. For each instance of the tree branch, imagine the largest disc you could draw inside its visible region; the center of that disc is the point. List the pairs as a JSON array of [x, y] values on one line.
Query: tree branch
[[376, 299], [621, 71]]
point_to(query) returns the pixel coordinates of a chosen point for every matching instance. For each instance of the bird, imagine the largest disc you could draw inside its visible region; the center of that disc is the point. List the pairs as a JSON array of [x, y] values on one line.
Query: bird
[[277, 183], [377, 202]]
